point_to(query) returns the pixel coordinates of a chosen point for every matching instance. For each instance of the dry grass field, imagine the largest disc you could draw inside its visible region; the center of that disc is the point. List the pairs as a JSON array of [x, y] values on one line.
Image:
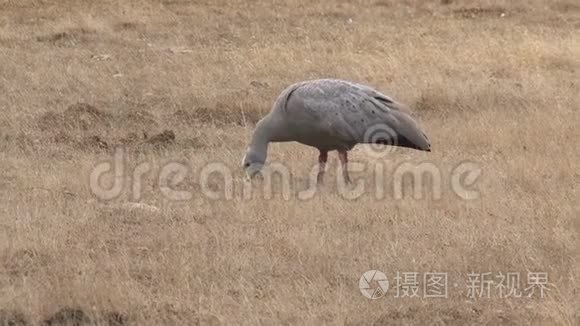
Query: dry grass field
[[495, 83]]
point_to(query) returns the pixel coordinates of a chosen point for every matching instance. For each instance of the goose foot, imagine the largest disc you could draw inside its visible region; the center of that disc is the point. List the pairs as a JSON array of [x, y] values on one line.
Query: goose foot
[[322, 158], [343, 157]]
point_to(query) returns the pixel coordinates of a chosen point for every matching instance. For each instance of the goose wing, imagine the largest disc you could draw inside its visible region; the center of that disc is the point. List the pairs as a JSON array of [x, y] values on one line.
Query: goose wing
[[353, 113]]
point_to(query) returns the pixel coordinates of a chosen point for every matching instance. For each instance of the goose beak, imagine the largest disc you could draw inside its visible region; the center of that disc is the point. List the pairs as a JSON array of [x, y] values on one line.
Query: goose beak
[[253, 170]]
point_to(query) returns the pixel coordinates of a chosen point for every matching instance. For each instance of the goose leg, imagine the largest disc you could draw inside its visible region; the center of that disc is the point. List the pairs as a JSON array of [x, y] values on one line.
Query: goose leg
[[343, 157], [321, 165]]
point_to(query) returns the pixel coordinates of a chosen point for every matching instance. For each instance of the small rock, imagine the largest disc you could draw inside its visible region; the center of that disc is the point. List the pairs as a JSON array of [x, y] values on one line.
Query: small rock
[[101, 57], [180, 50], [258, 84], [139, 206]]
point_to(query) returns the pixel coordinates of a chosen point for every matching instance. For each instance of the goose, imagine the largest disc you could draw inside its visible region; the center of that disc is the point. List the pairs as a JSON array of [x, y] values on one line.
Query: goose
[[333, 114]]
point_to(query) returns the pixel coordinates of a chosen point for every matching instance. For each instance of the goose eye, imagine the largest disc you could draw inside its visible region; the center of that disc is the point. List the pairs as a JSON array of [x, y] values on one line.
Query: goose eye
[[246, 164]]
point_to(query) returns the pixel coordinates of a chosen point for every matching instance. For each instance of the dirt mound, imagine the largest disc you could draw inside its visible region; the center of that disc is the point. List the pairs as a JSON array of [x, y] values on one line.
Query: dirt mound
[[49, 120], [62, 138], [138, 118], [77, 317], [163, 139], [80, 116], [12, 318], [94, 142], [82, 125], [132, 138], [68, 316], [85, 116]]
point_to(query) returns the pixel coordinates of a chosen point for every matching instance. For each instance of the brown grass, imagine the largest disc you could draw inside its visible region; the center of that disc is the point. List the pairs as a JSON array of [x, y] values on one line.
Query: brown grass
[[493, 82]]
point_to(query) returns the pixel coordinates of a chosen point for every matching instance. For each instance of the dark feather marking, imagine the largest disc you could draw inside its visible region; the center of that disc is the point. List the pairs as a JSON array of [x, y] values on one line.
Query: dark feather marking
[[380, 107], [385, 100], [288, 97]]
